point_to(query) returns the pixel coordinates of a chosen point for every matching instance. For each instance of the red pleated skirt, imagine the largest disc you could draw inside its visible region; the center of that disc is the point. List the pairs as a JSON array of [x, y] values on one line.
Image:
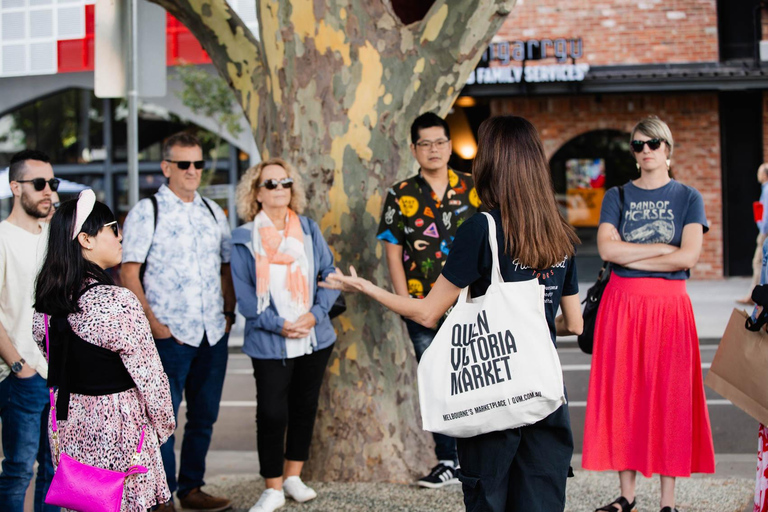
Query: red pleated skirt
[[646, 409]]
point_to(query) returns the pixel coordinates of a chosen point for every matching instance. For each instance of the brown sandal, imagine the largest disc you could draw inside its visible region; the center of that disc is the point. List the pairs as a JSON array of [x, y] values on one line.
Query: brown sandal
[[621, 501]]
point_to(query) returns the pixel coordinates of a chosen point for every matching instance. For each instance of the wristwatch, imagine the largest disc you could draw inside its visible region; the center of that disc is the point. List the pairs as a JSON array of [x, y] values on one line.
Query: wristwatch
[[16, 367], [230, 315]]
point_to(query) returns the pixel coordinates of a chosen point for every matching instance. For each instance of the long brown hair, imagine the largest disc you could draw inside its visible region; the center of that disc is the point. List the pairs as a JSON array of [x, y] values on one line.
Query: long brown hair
[[511, 173]]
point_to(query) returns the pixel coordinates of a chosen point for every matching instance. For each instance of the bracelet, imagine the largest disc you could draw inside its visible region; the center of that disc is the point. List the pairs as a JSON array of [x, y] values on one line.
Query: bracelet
[[230, 315]]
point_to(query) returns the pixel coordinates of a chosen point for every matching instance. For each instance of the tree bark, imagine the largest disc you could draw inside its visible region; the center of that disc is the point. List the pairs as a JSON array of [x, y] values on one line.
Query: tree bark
[[333, 86]]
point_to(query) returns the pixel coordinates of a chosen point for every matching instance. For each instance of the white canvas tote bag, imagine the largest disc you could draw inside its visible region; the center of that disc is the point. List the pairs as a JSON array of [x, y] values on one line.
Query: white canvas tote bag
[[492, 365]]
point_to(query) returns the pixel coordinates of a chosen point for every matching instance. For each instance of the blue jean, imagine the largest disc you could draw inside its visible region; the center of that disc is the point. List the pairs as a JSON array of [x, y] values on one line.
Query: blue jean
[[421, 337], [24, 410], [197, 373]]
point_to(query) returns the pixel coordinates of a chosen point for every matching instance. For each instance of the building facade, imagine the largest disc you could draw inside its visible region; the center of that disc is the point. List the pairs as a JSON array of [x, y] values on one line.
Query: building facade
[[48, 103], [586, 72], [583, 72]]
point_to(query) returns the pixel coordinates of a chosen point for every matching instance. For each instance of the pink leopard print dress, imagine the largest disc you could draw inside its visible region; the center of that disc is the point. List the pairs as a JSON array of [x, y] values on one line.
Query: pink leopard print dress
[[103, 431]]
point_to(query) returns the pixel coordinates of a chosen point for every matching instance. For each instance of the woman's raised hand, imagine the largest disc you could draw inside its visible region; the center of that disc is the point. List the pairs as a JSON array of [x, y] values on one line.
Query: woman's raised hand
[[350, 283]]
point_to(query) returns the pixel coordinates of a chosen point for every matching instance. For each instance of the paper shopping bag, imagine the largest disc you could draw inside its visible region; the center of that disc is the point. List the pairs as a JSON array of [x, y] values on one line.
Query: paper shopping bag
[[738, 371]]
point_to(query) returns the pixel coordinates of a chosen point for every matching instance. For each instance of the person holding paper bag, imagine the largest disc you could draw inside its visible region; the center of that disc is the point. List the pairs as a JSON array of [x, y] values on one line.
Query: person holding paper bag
[[112, 390], [646, 409], [525, 468], [761, 480]]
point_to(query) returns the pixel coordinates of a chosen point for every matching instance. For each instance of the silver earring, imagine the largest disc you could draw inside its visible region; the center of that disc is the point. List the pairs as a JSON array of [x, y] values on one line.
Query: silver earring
[[637, 165], [669, 163]]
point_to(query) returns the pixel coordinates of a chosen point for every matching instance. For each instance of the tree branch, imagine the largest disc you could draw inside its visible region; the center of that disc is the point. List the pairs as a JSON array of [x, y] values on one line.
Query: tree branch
[[233, 48], [452, 38]]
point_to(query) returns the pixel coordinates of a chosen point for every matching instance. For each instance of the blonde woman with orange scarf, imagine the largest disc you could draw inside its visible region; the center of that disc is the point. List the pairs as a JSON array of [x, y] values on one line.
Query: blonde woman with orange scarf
[[277, 258]]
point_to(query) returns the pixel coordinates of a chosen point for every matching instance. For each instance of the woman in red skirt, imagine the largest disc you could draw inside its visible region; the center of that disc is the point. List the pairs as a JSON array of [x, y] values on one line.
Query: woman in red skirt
[[646, 409]]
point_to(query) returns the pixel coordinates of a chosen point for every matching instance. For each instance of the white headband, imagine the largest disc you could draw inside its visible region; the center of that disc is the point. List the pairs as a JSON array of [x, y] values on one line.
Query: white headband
[[85, 202]]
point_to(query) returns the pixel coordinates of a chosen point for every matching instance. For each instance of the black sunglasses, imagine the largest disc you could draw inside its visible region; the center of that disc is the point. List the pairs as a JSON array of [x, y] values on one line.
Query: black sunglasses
[[39, 183], [184, 164], [114, 226], [653, 144], [272, 184]]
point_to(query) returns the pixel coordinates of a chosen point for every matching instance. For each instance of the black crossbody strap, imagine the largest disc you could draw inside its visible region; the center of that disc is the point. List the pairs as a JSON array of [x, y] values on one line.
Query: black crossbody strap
[[621, 219]]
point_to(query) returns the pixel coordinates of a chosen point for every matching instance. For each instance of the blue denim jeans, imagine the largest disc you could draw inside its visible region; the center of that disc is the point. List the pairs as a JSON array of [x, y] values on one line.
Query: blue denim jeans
[[196, 373], [421, 337], [24, 409]]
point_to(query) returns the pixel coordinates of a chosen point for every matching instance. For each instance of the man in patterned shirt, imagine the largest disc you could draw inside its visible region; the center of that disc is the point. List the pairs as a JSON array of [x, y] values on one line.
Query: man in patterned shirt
[[418, 224], [188, 297]]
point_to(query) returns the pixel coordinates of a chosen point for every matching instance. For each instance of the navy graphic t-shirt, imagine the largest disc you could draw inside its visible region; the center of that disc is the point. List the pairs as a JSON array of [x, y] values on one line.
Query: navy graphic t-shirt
[[470, 264], [655, 216]]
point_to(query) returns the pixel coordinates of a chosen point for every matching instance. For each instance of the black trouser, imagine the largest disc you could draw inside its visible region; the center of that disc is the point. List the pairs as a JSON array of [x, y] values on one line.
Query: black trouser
[[287, 392], [518, 470]]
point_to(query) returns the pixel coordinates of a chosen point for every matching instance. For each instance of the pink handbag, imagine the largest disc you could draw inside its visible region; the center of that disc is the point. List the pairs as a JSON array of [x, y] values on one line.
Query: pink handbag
[[81, 487]]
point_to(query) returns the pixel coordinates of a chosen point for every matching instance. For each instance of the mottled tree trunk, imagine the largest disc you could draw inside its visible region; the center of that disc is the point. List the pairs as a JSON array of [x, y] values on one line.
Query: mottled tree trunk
[[332, 86]]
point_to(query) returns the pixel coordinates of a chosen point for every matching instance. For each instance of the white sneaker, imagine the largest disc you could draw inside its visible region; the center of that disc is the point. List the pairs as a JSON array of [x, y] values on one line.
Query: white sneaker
[[270, 500], [295, 488]]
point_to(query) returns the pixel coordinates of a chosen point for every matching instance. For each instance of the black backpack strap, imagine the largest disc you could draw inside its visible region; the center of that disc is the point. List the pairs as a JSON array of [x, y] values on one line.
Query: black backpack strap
[[153, 200], [143, 267], [209, 209], [92, 285]]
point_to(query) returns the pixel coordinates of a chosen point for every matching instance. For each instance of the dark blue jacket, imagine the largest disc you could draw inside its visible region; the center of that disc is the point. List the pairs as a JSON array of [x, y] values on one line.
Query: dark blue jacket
[[262, 331]]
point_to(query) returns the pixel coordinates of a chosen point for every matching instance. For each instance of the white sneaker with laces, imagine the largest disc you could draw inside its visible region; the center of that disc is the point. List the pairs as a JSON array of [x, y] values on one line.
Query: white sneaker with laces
[[270, 500], [296, 489]]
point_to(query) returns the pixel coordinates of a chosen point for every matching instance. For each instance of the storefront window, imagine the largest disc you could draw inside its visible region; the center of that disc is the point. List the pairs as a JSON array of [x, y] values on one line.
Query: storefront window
[[72, 127], [582, 170], [67, 125]]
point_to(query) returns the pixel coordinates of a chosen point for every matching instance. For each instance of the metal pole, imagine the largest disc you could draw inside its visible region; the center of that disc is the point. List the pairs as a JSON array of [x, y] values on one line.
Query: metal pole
[[109, 194], [133, 105]]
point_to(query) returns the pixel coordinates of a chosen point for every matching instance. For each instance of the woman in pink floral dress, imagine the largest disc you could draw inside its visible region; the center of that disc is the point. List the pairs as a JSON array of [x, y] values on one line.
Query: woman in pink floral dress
[[74, 290]]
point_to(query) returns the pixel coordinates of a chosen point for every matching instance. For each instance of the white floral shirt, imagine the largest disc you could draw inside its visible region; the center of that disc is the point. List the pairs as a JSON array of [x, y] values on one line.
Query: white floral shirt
[[182, 280]]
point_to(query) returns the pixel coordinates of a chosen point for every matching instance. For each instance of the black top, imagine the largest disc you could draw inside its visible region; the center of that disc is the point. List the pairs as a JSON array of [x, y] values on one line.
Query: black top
[[470, 264], [76, 366]]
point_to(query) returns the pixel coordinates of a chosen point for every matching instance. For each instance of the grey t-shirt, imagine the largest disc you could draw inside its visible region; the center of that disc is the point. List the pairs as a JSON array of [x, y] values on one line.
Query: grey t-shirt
[[653, 216]]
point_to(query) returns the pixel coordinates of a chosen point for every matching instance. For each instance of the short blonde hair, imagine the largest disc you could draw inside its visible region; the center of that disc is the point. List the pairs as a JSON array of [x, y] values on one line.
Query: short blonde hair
[[655, 128], [245, 196]]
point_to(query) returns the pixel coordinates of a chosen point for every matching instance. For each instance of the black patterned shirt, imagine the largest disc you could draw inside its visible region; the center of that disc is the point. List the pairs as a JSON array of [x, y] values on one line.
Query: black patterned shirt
[[410, 220]]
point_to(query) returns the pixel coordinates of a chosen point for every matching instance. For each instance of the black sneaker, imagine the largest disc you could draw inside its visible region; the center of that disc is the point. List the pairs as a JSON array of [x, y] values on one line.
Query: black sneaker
[[440, 476]]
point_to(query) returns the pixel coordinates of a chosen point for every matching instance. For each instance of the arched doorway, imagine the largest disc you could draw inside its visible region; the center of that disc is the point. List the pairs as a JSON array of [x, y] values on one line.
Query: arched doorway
[[582, 170]]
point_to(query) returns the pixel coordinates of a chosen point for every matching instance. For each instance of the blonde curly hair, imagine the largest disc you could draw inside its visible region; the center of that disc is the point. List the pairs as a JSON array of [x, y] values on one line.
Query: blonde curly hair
[[245, 196]]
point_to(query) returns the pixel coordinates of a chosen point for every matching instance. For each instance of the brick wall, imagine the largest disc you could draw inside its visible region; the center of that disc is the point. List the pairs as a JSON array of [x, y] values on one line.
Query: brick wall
[[692, 117], [622, 31], [765, 126]]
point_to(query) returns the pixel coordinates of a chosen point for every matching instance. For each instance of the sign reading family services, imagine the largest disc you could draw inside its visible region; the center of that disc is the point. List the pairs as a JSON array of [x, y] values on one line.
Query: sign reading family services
[[496, 65]]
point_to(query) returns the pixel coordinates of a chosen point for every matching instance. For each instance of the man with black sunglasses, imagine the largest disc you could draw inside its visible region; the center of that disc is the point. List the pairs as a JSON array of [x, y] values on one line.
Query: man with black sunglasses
[[183, 241], [23, 369]]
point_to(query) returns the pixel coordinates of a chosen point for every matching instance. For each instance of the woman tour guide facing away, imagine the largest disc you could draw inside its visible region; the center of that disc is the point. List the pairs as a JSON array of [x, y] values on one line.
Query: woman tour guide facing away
[[503, 470], [277, 259], [646, 409], [111, 383]]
